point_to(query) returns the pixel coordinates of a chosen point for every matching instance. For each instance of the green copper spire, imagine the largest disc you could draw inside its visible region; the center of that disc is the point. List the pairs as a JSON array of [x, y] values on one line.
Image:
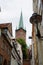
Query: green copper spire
[[21, 21]]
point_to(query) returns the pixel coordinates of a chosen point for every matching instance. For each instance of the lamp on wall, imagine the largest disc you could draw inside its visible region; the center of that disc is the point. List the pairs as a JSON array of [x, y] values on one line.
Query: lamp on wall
[[35, 19]]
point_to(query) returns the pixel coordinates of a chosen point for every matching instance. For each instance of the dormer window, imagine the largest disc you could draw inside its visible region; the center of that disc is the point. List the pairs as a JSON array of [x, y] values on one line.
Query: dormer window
[[6, 29]]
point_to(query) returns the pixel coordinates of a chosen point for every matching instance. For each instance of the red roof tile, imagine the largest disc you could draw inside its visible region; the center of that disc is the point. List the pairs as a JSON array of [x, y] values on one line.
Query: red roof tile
[[4, 25]]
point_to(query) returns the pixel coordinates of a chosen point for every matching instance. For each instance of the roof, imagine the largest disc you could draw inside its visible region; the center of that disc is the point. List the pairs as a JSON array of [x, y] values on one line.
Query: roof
[[21, 21], [21, 25], [4, 25], [21, 28]]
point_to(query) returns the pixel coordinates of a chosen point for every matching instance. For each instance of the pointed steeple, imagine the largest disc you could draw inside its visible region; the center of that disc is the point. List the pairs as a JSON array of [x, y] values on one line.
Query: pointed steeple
[[21, 22]]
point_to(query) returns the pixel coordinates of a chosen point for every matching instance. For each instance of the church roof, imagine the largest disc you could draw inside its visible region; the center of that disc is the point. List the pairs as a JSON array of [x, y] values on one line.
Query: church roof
[[21, 25], [21, 22], [20, 28]]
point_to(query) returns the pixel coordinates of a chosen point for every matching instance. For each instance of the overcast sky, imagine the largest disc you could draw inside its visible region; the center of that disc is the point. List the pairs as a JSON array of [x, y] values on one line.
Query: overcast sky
[[10, 12]]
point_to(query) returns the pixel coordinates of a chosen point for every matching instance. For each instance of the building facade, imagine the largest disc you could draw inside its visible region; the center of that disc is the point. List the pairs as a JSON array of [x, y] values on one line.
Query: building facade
[[37, 46], [10, 49], [5, 44], [16, 57]]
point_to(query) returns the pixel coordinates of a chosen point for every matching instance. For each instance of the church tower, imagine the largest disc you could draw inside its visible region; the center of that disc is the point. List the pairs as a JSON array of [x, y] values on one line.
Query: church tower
[[21, 32]]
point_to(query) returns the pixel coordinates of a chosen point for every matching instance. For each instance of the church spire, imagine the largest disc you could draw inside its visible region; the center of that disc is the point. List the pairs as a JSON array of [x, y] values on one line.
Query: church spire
[[21, 22]]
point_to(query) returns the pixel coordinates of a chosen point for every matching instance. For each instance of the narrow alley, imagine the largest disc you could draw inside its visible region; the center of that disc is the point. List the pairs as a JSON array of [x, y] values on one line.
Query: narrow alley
[[21, 32]]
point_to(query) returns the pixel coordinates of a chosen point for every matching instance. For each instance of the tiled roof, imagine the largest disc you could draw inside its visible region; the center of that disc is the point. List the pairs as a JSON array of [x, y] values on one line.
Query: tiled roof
[[4, 25]]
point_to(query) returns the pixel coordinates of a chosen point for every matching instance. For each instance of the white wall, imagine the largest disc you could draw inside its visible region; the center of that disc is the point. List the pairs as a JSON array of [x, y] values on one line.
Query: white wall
[[20, 52], [13, 61]]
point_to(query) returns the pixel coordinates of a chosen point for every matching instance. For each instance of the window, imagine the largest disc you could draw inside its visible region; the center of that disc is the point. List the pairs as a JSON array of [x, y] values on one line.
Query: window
[[5, 29], [1, 59], [18, 52], [15, 44]]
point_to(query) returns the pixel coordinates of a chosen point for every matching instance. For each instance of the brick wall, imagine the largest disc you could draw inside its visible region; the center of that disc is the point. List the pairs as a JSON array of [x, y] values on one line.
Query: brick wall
[[5, 49], [21, 34], [26, 62]]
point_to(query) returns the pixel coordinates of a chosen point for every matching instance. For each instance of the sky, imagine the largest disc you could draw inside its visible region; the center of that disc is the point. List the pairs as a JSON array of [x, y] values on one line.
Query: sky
[[10, 12]]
